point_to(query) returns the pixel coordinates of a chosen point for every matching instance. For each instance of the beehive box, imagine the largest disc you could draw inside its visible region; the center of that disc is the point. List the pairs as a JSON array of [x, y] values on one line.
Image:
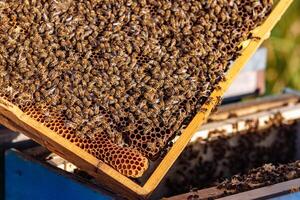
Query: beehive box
[[264, 131], [50, 132]]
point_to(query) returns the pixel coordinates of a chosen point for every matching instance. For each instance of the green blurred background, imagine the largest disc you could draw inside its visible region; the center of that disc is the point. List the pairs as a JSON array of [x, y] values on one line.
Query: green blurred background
[[284, 52]]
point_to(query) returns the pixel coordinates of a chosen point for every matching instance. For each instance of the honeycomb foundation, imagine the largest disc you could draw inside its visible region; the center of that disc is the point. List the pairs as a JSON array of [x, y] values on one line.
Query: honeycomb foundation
[[127, 161]]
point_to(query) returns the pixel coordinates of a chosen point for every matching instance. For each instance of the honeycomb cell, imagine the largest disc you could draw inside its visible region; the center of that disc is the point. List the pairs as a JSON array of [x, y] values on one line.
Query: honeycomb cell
[[114, 155]]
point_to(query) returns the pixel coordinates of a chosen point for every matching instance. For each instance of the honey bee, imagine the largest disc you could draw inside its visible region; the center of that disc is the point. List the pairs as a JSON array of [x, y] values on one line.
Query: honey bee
[[118, 139], [8, 90], [151, 146], [150, 95], [209, 100], [37, 96], [24, 98], [129, 48], [203, 110], [172, 121], [218, 87], [160, 142], [188, 107], [219, 101], [252, 37], [70, 124]]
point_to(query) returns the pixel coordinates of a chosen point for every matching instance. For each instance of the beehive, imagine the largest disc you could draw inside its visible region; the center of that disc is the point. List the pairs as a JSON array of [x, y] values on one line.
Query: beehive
[[258, 183], [268, 174], [205, 161], [51, 122]]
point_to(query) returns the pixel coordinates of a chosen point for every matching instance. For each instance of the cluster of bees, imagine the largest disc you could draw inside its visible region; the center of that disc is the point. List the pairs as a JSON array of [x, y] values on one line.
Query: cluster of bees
[[206, 162], [268, 174], [129, 162], [148, 64]]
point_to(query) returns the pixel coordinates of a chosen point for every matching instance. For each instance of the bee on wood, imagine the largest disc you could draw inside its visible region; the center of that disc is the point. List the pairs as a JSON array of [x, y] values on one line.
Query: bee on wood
[[252, 37], [203, 110]]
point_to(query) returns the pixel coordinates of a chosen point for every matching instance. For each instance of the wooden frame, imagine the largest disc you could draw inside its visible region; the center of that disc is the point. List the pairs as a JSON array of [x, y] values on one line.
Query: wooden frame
[[12, 117], [290, 113], [253, 106]]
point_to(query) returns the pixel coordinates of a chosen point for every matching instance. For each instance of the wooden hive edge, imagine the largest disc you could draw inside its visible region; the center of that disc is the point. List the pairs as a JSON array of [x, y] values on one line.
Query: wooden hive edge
[[238, 125], [13, 118], [250, 107]]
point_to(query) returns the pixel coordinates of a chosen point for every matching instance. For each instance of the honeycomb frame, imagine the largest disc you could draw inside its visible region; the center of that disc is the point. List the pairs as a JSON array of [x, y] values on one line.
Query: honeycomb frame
[[14, 118], [103, 78]]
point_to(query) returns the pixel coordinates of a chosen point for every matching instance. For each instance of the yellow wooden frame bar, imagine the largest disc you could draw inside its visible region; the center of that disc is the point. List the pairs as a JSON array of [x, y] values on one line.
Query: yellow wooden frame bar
[[12, 117]]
